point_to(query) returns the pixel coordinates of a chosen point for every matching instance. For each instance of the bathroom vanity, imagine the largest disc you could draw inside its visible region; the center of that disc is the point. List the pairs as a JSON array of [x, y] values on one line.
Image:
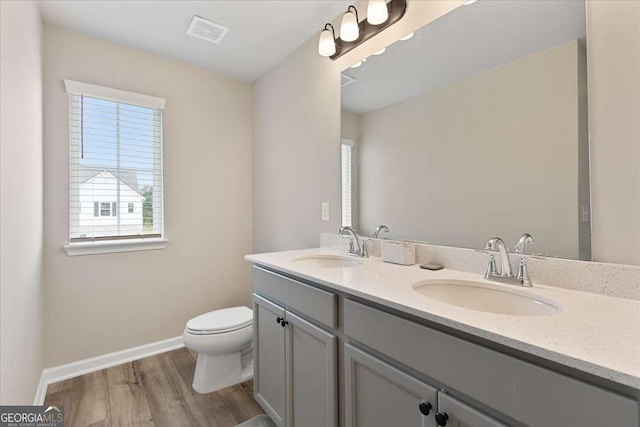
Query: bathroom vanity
[[342, 341]]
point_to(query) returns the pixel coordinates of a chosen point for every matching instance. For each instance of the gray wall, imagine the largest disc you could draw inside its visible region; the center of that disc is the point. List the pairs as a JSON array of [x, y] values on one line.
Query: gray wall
[[613, 51], [21, 293], [493, 154], [98, 304], [296, 164]]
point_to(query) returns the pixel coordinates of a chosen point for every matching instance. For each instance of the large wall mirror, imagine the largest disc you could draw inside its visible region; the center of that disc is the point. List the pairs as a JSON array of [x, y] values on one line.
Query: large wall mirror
[[474, 127]]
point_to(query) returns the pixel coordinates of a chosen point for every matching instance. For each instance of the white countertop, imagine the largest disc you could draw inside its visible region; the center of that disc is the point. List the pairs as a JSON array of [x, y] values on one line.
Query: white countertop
[[593, 333]]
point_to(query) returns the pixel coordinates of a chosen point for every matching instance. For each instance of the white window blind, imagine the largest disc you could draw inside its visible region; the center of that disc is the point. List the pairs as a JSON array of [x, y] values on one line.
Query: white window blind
[[115, 164], [347, 172]]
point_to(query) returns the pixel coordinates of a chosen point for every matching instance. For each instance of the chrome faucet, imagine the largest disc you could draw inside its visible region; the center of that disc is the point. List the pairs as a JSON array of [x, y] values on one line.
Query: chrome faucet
[[355, 248], [378, 229], [505, 264], [505, 274]]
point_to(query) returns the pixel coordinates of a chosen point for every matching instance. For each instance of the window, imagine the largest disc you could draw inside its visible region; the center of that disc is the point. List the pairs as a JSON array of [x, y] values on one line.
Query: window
[[115, 159], [347, 186], [105, 209]]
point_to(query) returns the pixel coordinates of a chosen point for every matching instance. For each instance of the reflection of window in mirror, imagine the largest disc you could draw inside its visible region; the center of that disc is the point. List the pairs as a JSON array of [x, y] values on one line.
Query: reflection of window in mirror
[[347, 182]]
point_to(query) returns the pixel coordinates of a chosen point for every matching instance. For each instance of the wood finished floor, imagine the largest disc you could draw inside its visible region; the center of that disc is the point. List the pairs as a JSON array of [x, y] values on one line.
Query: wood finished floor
[[155, 391]]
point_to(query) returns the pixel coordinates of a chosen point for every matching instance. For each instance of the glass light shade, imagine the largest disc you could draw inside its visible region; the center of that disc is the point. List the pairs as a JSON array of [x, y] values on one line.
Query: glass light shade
[[349, 30], [326, 45], [356, 65], [381, 51], [377, 12], [407, 37]]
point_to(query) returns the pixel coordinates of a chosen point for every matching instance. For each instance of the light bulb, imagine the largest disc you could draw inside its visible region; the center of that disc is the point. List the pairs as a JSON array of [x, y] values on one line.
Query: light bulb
[[377, 12], [326, 45], [381, 51], [349, 30], [356, 65], [407, 37]]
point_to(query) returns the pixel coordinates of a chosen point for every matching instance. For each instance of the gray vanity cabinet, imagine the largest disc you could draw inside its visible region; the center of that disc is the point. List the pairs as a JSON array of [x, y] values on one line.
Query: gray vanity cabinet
[[295, 368], [296, 373], [454, 413], [379, 395], [269, 380], [312, 374]]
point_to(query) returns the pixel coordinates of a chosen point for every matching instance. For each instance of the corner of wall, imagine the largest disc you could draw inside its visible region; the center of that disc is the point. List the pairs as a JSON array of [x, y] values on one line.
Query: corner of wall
[[613, 46], [21, 299]]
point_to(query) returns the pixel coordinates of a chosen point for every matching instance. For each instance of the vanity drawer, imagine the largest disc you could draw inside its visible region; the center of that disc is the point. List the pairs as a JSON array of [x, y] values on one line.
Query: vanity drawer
[[528, 393], [312, 302]]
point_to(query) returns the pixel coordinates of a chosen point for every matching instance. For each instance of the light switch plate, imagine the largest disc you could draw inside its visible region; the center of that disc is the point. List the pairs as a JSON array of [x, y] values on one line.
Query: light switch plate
[[325, 211]]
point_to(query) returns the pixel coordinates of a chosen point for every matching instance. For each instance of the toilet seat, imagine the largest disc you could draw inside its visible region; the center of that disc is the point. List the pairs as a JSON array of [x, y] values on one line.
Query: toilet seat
[[221, 321]]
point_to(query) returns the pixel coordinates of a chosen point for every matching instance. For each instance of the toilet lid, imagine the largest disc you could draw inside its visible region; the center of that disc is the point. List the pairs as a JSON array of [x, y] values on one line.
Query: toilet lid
[[219, 321]]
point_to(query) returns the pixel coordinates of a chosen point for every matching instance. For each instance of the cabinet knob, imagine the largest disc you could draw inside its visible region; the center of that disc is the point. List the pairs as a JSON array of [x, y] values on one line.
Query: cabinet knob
[[425, 408], [284, 323], [279, 319], [441, 418]]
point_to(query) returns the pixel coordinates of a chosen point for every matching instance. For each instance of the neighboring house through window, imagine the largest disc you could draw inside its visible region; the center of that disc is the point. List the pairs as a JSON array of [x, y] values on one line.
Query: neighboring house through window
[[115, 164]]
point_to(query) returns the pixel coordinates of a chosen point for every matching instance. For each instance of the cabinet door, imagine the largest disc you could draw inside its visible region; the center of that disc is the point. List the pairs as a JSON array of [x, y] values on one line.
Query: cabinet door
[[452, 412], [312, 375], [269, 386], [379, 395]]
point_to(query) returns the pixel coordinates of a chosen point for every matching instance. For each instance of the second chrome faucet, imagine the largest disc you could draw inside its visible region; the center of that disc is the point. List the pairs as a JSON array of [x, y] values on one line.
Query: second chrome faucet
[[379, 229], [505, 273]]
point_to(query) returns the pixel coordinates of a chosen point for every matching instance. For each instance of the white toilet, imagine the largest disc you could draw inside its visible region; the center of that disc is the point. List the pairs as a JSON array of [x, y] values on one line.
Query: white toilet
[[223, 340]]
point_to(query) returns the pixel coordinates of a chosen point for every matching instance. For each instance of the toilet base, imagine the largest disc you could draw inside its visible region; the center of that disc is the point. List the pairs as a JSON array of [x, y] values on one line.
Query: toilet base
[[215, 372]]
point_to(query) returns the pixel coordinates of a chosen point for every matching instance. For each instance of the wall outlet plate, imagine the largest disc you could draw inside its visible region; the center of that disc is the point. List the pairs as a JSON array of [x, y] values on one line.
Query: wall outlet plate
[[325, 211]]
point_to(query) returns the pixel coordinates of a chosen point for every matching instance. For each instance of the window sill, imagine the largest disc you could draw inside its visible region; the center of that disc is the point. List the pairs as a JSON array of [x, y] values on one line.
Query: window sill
[[107, 247]]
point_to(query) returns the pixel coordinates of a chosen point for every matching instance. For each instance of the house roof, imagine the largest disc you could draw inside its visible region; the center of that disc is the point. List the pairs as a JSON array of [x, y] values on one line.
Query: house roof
[[126, 177]]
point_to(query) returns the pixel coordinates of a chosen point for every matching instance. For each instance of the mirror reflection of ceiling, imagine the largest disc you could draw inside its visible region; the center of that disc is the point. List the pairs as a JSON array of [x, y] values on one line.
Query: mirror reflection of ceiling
[[467, 41]]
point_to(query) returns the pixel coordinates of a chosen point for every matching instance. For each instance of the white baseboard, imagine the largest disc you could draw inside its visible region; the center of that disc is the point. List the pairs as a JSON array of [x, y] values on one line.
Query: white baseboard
[[41, 391], [86, 366]]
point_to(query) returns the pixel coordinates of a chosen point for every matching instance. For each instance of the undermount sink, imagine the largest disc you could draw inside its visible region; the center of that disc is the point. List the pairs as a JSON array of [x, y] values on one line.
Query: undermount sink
[[478, 296], [328, 261]]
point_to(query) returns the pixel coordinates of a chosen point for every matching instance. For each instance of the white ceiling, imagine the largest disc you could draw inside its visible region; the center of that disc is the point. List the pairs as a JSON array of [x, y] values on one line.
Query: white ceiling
[[262, 32], [466, 41]]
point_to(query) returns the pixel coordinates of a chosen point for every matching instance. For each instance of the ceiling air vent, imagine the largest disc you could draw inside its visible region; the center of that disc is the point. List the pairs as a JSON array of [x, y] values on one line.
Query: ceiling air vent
[[347, 80], [207, 30]]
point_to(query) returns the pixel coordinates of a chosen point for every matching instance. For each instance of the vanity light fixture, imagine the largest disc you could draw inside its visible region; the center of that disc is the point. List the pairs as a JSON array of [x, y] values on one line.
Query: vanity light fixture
[[349, 29], [377, 12], [327, 44], [354, 32]]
